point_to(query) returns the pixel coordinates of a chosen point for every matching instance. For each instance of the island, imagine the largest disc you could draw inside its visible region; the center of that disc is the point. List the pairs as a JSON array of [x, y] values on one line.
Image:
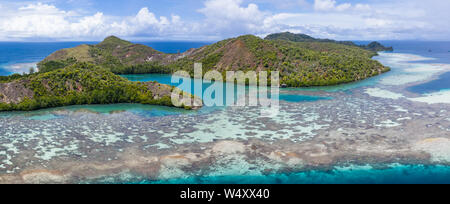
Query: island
[[301, 64], [373, 46], [89, 74], [79, 84]]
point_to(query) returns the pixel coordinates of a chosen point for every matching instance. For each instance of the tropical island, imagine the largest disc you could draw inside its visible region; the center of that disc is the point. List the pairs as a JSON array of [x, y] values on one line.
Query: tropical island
[[80, 84], [300, 63], [88, 74]]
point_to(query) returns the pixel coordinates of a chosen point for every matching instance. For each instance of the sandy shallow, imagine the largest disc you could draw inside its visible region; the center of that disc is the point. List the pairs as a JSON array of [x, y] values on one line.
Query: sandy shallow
[[372, 126]]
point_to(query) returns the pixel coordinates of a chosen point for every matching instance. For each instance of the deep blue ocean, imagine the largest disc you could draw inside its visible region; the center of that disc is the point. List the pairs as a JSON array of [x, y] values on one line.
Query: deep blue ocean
[[18, 57]]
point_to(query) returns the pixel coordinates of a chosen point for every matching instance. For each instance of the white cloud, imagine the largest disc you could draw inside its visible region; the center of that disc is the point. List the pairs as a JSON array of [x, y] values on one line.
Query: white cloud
[[44, 21], [231, 10], [403, 19], [324, 5], [332, 5], [343, 7], [229, 16], [362, 7]]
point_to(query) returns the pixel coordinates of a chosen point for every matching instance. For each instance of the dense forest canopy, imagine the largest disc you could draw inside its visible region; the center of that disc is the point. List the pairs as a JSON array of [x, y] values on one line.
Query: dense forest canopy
[[308, 62], [79, 84], [373, 46]]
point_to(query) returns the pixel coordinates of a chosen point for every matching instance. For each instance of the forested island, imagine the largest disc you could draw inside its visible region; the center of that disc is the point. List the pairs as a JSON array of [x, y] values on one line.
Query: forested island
[[373, 46], [79, 84], [309, 63], [88, 74]]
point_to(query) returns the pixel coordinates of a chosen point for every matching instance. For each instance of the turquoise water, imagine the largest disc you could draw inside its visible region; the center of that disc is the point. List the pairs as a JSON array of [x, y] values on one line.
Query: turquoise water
[[302, 98], [166, 79], [17, 53], [396, 174], [139, 109]]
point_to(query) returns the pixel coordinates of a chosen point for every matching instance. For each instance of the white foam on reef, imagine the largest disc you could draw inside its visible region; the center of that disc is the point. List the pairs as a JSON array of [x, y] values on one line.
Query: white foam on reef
[[380, 93], [353, 167], [52, 151], [434, 98], [6, 161], [409, 72], [222, 126], [414, 73], [400, 109], [437, 147], [225, 165], [238, 164], [107, 135], [402, 57], [388, 123], [234, 165], [405, 118], [161, 146]]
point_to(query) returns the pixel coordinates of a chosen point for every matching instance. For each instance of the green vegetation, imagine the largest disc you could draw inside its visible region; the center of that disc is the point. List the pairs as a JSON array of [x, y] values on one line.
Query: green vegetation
[[148, 67], [287, 36], [300, 63], [4, 79], [84, 83], [321, 64], [56, 64], [300, 59], [119, 56], [377, 47]]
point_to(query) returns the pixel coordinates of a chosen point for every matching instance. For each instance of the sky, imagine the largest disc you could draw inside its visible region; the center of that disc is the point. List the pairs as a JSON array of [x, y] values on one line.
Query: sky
[[211, 20]]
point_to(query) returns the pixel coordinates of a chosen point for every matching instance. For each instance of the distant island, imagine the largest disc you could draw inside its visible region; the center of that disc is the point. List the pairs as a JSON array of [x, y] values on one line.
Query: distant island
[[373, 46], [86, 74]]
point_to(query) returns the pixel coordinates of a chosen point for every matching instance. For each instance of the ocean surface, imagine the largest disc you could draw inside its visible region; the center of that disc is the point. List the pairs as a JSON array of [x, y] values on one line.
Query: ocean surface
[[19, 57]]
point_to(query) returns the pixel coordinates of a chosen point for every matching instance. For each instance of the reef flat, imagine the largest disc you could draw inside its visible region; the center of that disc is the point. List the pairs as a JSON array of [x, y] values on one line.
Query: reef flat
[[350, 129], [359, 125]]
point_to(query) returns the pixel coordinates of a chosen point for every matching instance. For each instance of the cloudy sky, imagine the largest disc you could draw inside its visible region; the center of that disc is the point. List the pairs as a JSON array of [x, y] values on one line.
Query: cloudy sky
[[209, 20]]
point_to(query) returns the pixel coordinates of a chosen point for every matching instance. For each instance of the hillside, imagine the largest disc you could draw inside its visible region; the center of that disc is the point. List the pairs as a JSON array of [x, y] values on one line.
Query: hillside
[[373, 46], [300, 63], [120, 56], [308, 63], [79, 84]]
